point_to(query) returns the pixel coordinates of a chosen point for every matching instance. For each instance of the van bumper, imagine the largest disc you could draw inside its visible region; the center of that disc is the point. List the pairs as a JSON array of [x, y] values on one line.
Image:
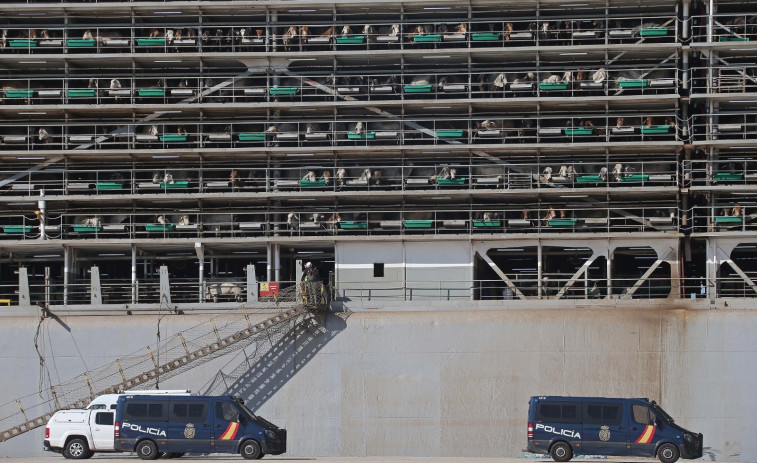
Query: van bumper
[[277, 445], [531, 447], [692, 446]]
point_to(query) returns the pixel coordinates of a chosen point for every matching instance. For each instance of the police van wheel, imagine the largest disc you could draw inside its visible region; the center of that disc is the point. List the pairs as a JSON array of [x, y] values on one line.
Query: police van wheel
[[561, 451], [250, 450], [147, 450], [77, 449], [668, 453]]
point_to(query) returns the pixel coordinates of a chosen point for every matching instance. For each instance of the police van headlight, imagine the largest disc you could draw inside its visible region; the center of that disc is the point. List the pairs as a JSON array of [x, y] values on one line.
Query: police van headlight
[[270, 434], [688, 437]]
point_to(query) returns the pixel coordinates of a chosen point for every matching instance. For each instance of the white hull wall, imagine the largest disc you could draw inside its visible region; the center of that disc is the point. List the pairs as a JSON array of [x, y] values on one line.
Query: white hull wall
[[440, 383]]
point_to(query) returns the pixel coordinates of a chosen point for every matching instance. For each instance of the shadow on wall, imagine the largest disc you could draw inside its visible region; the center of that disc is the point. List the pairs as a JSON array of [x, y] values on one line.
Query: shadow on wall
[[262, 372]]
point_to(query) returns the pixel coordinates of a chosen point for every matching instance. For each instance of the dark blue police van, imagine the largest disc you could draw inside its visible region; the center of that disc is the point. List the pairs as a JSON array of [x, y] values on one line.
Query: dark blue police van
[[567, 426], [174, 425]]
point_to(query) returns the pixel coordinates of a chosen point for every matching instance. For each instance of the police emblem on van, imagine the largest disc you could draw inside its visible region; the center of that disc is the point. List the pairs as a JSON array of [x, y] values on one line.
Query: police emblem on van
[[189, 431], [604, 433]]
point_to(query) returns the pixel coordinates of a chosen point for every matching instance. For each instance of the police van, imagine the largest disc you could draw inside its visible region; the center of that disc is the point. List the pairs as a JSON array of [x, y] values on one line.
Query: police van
[[155, 425], [567, 426]]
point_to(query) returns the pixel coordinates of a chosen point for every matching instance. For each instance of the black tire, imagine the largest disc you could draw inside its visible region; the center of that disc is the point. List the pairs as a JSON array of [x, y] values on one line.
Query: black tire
[[250, 450], [561, 451], [77, 449], [668, 453], [261, 456], [147, 450]]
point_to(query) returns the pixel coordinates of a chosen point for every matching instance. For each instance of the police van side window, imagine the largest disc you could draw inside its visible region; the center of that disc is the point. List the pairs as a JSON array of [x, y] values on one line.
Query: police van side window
[[642, 415], [104, 418], [603, 413], [188, 412], [144, 411], [558, 412], [226, 411]]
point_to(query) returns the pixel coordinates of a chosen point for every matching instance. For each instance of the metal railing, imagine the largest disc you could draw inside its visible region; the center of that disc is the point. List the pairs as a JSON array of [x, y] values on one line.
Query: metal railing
[[653, 126], [319, 176], [588, 80], [335, 34], [727, 27], [560, 216]]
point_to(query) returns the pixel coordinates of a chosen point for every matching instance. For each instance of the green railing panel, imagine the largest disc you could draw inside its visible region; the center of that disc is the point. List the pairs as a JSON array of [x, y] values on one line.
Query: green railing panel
[[487, 223], [173, 137], [427, 38], [353, 225], [252, 136], [109, 185], [80, 42], [87, 228], [361, 135], [733, 39], [320, 183], [179, 184], [579, 130], [653, 31], [19, 93], [633, 83], [449, 133], [655, 129], [351, 39], [635, 178], [159, 227], [485, 36], [421, 88], [553, 85], [562, 222], [22, 43], [728, 219], [151, 42], [151, 92], [17, 228], [81, 92], [283, 90], [589, 179], [419, 223], [450, 181], [728, 177]]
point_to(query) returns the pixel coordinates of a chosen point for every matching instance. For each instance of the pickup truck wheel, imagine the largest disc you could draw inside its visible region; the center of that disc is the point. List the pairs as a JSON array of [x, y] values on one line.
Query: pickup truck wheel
[[77, 449], [251, 450], [147, 450]]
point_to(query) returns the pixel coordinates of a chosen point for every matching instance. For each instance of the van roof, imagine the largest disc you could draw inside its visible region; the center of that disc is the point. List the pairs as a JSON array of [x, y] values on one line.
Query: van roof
[[569, 398]]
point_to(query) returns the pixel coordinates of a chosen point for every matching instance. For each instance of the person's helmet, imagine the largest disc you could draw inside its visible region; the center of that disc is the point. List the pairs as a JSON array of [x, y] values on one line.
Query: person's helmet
[[308, 265]]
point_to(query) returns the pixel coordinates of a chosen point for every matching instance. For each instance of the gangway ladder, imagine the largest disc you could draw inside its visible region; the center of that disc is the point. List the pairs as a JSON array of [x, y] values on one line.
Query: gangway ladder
[[165, 370]]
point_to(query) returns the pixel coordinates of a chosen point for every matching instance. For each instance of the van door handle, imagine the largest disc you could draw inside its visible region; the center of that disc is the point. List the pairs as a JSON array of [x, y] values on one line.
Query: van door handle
[[634, 429]]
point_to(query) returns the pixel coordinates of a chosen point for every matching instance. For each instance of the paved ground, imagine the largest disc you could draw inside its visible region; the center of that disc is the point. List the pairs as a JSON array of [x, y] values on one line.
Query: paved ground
[[282, 459]]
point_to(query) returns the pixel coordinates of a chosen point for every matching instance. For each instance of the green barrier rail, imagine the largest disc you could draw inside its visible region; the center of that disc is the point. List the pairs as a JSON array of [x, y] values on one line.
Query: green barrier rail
[[253, 136], [419, 223], [353, 225], [361, 135], [159, 227]]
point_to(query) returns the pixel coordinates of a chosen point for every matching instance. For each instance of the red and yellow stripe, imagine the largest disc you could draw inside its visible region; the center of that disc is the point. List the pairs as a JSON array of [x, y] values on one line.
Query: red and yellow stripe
[[647, 435], [230, 432]]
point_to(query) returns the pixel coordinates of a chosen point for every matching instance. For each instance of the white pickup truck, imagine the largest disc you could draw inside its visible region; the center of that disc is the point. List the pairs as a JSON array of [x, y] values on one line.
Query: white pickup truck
[[79, 433]]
